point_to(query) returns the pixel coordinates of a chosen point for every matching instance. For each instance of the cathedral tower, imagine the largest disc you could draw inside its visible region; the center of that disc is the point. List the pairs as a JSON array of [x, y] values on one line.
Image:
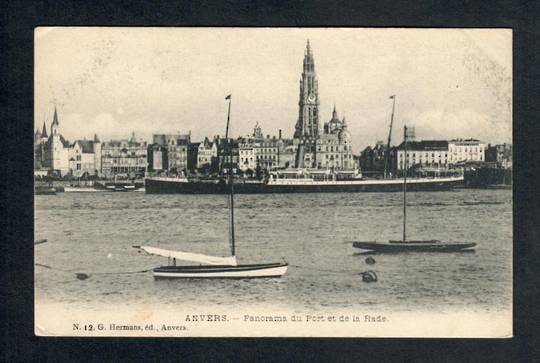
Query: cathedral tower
[[307, 126], [308, 103]]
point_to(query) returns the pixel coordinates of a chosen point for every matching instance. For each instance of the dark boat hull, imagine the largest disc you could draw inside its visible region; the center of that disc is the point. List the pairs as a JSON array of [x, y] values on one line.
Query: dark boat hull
[[413, 246], [266, 270], [153, 186], [45, 191]]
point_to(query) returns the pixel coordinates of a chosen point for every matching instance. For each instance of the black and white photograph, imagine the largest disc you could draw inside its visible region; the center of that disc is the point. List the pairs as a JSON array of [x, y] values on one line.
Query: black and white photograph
[[273, 182]]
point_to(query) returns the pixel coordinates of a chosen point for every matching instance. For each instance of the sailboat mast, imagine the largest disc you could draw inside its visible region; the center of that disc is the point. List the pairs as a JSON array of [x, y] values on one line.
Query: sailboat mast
[[231, 187], [405, 184]]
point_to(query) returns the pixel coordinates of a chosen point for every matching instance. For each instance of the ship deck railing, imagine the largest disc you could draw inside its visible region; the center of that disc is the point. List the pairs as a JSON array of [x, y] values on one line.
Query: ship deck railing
[[306, 181]]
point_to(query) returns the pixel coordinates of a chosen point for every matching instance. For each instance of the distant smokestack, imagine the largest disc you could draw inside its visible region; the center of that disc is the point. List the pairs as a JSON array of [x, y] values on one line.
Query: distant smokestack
[[280, 134]]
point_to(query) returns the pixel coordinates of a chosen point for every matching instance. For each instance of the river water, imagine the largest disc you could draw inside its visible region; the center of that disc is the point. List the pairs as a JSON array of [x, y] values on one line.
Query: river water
[[93, 233]]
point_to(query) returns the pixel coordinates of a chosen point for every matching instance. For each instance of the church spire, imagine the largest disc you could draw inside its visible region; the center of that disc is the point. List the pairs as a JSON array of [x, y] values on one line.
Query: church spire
[[44, 131], [55, 126], [55, 117], [309, 64], [334, 113]]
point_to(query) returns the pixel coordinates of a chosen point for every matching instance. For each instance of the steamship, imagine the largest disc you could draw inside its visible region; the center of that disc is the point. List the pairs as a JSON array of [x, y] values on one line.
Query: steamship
[[299, 181]]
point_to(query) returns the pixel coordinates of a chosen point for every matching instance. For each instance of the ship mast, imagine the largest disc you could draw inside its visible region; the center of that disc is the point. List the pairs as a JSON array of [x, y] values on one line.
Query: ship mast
[[231, 179], [387, 152], [405, 184]]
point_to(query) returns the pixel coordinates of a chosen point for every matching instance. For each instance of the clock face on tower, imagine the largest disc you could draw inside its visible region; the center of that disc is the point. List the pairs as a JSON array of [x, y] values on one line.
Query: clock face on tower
[[311, 97]]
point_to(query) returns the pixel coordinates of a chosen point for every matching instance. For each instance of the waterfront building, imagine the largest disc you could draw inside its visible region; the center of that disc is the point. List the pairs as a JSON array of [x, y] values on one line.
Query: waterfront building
[[127, 157], [372, 159], [266, 152], [461, 150], [223, 159], [246, 154], [206, 153], [334, 149], [427, 153], [85, 157], [40, 139], [56, 149], [53, 153], [177, 149], [157, 157], [193, 155], [500, 154], [287, 153]]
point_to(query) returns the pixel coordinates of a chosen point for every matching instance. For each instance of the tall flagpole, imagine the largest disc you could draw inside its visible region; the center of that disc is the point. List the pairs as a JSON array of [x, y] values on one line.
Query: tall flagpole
[[231, 187]]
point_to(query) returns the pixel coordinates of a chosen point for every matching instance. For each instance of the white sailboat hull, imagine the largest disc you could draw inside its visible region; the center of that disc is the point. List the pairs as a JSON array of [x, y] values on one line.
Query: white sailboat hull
[[233, 272]]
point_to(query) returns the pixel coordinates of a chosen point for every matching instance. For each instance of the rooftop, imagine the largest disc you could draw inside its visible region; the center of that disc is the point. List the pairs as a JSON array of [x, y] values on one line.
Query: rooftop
[[425, 145]]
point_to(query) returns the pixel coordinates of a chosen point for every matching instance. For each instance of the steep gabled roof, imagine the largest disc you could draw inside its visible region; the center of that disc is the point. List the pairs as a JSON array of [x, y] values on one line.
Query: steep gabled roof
[[87, 146], [64, 142]]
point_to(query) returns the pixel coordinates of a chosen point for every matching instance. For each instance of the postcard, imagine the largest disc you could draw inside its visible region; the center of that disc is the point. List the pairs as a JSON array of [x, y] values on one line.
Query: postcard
[[273, 182]]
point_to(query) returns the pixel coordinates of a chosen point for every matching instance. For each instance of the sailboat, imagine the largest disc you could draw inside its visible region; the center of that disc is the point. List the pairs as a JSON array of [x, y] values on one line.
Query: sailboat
[[214, 266], [411, 245]]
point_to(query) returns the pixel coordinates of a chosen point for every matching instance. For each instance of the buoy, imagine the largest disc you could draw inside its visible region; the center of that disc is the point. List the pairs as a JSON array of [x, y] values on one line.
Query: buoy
[[369, 276], [82, 276], [370, 260]]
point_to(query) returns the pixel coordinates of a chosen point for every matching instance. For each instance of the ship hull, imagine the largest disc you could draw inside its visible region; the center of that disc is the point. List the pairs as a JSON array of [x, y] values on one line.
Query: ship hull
[[419, 246], [169, 186], [219, 272]]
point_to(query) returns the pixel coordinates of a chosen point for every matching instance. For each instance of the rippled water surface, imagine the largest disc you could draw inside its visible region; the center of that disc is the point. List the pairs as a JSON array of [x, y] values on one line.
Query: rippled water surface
[[93, 233]]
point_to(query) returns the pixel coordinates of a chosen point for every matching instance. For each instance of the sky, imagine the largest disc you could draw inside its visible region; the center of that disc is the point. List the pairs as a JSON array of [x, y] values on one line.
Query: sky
[[449, 83]]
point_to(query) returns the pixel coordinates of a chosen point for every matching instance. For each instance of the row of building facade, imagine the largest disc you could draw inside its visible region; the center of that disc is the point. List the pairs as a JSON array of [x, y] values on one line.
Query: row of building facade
[[54, 154], [312, 146], [438, 154], [167, 153], [176, 154]]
